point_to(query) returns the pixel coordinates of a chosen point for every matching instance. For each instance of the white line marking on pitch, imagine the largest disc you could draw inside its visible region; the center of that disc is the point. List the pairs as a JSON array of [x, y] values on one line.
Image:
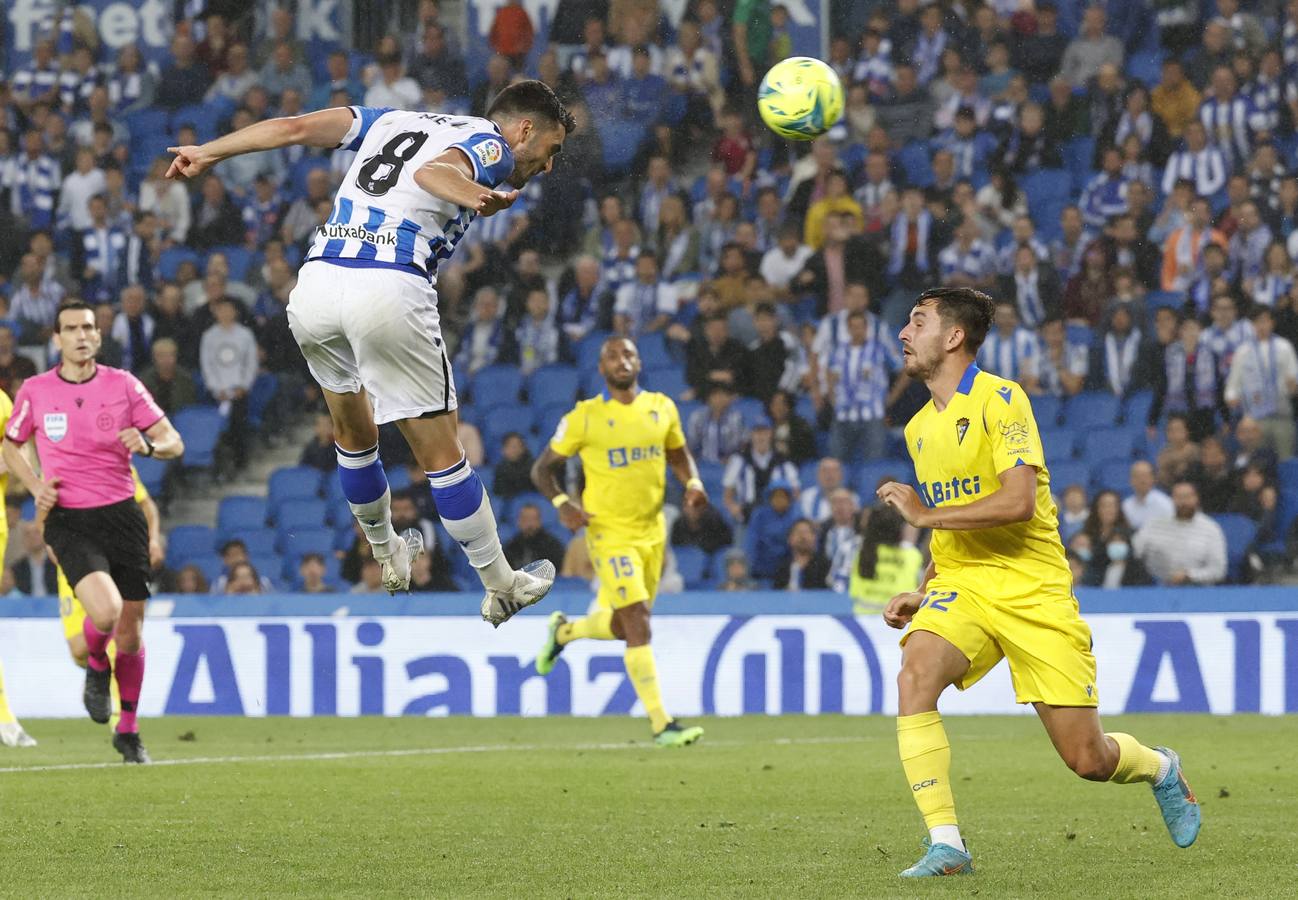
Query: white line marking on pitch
[[414, 751]]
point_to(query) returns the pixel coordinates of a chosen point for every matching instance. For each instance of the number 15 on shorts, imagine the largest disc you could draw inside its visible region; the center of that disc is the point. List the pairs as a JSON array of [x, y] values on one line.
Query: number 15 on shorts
[[622, 566]]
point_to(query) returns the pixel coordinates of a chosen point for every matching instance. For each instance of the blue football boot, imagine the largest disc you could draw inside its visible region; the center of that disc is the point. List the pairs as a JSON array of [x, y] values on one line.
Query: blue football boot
[[1177, 802], [940, 859]]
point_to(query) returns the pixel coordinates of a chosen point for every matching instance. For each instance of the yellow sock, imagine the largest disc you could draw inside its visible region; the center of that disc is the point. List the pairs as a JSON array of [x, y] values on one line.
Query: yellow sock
[[112, 689], [596, 626], [6, 714], [643, 670], [926, 758], [1136, 762]]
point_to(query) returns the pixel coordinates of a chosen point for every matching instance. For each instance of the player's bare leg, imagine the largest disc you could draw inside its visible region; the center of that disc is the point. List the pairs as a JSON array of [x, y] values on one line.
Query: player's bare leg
[[1096, 756], [103, 603], [365, 485], [465, 511], [929, 665]]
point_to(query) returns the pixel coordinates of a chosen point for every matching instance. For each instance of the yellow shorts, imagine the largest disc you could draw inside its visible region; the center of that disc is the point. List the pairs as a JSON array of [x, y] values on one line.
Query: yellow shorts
[[628, 570], [71, 611], [1045, 639]]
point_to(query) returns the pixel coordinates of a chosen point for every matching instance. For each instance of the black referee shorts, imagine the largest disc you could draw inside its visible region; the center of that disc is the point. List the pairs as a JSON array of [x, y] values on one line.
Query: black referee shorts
[[112, 539]]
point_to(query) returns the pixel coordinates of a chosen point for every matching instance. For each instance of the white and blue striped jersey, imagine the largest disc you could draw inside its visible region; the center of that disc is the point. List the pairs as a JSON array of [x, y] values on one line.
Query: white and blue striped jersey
[[1013, 356], [381, 217]]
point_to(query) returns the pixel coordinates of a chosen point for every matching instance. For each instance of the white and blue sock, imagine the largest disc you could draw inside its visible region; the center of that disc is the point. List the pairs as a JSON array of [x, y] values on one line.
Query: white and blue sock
[[465, 510], [365, 485]]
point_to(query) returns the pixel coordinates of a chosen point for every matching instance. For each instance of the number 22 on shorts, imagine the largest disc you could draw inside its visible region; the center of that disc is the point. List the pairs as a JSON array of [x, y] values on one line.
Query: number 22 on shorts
[[938, 600]]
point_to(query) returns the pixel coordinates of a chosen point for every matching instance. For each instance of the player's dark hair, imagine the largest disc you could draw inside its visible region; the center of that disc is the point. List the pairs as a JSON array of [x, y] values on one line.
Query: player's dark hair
[[970, 309], [882, 528], [68, 306], [531, 98]]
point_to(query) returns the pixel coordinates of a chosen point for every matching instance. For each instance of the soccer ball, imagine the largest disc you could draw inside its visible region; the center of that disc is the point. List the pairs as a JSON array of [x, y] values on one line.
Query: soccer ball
[[800, 98]]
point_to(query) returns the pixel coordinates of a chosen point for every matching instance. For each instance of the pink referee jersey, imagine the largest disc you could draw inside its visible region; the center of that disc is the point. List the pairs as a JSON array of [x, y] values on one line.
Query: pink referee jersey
[[76, 429]]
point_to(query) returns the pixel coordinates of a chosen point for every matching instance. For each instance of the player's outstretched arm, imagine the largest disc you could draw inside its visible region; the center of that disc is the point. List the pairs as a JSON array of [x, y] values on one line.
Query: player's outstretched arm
[[449, 177], [687, 473], [323, 128], [545, 478], [1014, 502]]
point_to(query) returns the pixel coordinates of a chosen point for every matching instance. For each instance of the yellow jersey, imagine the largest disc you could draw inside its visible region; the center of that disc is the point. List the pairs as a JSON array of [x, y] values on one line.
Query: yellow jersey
[[986, 429], [623, 453], [6, 410]]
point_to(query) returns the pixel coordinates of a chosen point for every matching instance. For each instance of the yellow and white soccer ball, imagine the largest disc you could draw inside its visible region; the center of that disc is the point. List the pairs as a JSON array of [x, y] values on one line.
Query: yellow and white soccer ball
[[800, 98]]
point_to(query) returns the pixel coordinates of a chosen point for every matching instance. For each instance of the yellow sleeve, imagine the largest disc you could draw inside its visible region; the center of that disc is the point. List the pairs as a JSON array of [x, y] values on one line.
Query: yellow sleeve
[[1011, 430], [675, 438], [6, 409], [571, 433], [141, 493]]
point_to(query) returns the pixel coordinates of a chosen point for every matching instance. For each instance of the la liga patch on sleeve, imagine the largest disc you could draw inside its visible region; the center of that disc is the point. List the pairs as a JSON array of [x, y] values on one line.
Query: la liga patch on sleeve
[[489, 152]]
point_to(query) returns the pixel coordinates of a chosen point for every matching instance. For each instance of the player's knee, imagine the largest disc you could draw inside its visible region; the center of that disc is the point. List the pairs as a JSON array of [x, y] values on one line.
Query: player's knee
[[78, 655], [1089, 763], [918, 679]]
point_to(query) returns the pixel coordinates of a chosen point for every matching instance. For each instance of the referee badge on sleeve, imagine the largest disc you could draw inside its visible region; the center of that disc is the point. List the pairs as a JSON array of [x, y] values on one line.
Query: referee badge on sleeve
[[56, 426]]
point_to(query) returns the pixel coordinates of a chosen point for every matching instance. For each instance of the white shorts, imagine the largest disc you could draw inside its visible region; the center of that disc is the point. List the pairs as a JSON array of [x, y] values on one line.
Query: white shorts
[[377, 329]]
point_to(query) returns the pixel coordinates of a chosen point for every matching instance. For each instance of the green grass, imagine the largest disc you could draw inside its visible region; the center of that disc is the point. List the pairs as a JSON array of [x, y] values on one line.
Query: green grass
[[764, 807]]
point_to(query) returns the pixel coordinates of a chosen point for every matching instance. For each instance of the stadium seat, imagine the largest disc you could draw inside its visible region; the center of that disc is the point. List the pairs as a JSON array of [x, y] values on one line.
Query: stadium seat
[[667, 381], [1067, 473], [654, 353], [1079, 156], [588, 348], [1103, 444], [257, 540], [567, 584], [239, 258], [238, 513], [1092, 409], [308, 540], [200, 427], [298, 515], [592, 382], [692, 563], [869, 474], [1136, 407], [1157, 299], [264, 388], [915, 164], [500, 422], [153, 473], [185, 542], [1060, 444], [1112, 475], [548, 421], [494, 386], [210, 565], [549, 515], [269, 566], [553, 386], [622, 140], [1287, 473], [1046, 408], [203, 117], [293, 483], [750, 408], [1240, 532], [333, 573], [169, 261]]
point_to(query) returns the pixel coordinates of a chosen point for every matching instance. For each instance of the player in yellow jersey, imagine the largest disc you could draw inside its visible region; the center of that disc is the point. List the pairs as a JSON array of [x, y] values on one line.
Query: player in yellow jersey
[[626, 438], [11, 731], [998, 585], [73, 614]]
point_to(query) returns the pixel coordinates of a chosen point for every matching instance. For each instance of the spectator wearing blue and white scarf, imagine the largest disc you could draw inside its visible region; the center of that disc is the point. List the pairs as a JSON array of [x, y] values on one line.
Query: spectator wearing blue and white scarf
[[1010, 350], [968, 261], [103, 246], [1105, 195], [1063, 364], [1248, 244], [33, 179], [839, 540], [646, 303]]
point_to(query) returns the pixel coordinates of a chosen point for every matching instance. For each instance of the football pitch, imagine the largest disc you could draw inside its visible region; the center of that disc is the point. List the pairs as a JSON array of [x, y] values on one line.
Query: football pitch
[[763, 807]]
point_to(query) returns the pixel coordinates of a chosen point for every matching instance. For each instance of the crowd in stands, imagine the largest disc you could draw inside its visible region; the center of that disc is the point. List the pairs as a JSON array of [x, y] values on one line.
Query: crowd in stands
[[1122, 177]]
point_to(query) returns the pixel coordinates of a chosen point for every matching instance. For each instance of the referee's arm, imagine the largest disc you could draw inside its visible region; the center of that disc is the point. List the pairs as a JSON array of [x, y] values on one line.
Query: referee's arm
[[45, 494], [161, 439]]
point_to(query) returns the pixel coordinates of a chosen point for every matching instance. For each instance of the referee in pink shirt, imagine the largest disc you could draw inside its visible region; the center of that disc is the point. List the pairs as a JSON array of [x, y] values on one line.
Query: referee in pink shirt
[[87, 420]]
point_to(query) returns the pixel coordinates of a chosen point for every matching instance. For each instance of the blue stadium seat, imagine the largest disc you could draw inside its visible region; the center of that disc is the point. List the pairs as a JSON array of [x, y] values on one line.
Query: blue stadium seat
[[293, 483], [496, 386], [308, 540], [153, 472], [1103, 444], [185, 542], [344, 537], [205, 119], [500, 422], [548, 421], [333, 573], [1067, 473], [1287, 509], [1046, 409], [549, 515], [200, 427], [210, 565], [711, 473], [238, 513], [398, 477], [807, 473], [667, 381], [685, 408], [915, 164], [1240, 532], [1060, 444], [654, 353], [1136, 407], [239, 258], [1047, 184], [1092, 409], [264, 388], [339, 513], [553, 386], [1287, 473], [588, 350], [692, 563], [750, 408], [333, 489], [622, 140], [270, 566], [1079, 154], [868, 475], [170, 259], [1112, 475], [592, 383], [300, 515], [1145, 66], [569, 584], [1156, 299], [258, 540]]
